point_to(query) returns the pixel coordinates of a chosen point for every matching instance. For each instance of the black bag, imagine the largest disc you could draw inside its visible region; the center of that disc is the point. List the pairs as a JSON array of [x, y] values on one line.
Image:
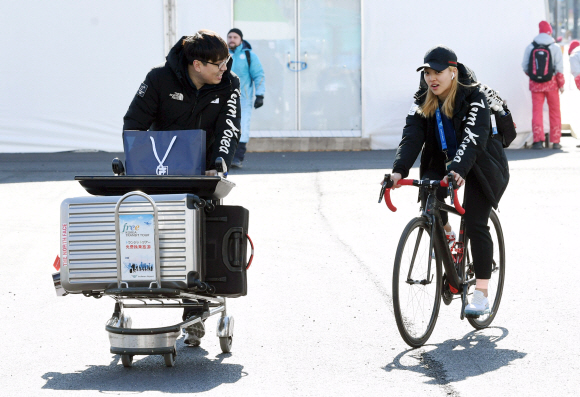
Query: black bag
[[225, 260], [540, 64], [506, 128]]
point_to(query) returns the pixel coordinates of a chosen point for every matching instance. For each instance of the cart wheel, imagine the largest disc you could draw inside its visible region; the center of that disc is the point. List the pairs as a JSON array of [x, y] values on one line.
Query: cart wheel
[[127, 360], [169, 359], [226, 344]]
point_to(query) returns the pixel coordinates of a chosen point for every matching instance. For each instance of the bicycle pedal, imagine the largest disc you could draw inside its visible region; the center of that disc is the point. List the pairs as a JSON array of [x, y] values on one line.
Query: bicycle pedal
[[473, 315]]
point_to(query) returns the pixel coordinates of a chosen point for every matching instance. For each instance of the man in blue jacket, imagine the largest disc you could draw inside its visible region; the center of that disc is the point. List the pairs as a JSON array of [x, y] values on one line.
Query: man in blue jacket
[[248, 68]]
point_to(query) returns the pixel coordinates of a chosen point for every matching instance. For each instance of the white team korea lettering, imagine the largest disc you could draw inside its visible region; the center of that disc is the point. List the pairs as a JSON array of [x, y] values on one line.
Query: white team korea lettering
[[469, 136], [225, 142]]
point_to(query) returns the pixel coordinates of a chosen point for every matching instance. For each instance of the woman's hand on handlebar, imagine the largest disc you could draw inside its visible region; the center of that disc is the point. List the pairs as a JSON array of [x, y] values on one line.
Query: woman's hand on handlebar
[[458, 179], [396, 177]]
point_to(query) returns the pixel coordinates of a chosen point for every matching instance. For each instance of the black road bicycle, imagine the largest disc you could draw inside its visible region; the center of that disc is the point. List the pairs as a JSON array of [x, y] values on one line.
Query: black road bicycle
[[427, 270]]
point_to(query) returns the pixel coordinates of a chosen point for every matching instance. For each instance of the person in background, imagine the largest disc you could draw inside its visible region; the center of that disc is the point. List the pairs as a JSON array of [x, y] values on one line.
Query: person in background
[[543, 59], [248, 68], [574, 52]]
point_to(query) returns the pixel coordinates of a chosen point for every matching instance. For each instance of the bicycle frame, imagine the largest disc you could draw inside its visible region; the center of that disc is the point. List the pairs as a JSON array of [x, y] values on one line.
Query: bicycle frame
[[432, 210]]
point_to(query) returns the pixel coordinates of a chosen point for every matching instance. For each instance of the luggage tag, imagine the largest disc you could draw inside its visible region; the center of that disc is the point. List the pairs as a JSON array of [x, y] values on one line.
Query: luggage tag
[[56, 263]]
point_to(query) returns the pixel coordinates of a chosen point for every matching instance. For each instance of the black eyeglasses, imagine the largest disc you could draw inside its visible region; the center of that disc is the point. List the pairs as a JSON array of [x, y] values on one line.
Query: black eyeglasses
[[219, 65]]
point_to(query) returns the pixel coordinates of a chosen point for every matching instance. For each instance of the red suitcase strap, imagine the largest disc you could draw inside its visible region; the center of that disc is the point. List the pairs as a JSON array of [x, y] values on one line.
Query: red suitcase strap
[[252, 256]]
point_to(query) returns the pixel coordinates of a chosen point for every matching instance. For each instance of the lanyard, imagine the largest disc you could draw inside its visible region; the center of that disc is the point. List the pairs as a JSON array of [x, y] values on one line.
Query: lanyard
[[441, 132], [161, 169]]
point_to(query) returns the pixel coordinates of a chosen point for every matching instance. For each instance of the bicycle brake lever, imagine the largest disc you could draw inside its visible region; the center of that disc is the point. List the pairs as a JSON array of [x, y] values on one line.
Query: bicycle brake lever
[[385, 186], [450, 192], [382, 193], [451, 185]]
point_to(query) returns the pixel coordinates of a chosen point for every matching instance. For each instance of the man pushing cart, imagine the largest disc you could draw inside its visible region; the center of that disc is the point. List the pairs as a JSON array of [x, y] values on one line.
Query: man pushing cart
[[157, 235], [193, 89]]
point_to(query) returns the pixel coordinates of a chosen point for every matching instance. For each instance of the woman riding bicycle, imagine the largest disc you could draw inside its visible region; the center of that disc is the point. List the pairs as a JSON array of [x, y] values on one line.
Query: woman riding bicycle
[[450, 122]]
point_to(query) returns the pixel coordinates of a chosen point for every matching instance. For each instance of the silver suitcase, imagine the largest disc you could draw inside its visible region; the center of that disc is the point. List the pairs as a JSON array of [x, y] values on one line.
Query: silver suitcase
[[88, 242]]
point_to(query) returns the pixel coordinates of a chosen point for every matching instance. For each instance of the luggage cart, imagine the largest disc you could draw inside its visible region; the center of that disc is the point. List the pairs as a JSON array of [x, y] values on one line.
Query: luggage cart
[[129, 342], [151, 285]]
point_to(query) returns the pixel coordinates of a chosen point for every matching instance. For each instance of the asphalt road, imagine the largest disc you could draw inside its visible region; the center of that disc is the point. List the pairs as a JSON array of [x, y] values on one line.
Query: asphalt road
[[318, 319]]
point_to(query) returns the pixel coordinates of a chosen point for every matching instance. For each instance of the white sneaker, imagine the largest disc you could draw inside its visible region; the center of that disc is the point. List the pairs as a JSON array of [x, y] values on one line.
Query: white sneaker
[[479, 304]]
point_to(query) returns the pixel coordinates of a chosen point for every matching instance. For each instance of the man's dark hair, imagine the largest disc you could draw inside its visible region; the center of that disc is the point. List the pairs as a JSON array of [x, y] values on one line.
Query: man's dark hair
[[205, 46]]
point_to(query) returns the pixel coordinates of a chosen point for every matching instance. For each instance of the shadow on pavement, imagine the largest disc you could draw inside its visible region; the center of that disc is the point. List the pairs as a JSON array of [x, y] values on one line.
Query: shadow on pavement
[[456, 360], [64, 166], [193, 372]]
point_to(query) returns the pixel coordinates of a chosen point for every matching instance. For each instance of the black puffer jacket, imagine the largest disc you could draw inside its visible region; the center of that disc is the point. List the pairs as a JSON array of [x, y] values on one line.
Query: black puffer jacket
[[478, 152], [167, 101]]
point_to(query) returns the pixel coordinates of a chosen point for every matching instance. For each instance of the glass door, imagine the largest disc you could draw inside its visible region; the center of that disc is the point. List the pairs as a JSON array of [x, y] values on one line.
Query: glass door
[[311, 54], [270, 28], [330, 85]]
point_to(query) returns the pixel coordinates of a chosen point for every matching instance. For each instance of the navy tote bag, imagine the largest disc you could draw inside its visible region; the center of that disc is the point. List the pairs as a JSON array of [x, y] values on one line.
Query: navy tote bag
[[165, 152]]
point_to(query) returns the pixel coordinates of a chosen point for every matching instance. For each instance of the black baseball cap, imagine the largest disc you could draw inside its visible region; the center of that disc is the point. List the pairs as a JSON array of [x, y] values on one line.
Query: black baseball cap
[[439, 58]]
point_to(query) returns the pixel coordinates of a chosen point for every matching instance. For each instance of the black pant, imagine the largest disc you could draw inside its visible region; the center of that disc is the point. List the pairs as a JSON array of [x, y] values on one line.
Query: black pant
[[477, 209], [189, 309], [240, 151]]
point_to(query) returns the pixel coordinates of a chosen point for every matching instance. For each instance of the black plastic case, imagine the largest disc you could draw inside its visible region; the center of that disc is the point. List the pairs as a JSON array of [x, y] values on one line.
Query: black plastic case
[[225, 250]]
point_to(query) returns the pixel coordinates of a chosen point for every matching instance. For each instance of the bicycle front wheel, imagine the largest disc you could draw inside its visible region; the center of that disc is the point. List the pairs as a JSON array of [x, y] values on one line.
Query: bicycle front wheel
[[416, 287], [495, 288]]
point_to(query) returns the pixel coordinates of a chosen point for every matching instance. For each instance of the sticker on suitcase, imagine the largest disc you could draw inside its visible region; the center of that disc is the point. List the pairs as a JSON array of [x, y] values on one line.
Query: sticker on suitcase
[[64, 244], [137, 242]]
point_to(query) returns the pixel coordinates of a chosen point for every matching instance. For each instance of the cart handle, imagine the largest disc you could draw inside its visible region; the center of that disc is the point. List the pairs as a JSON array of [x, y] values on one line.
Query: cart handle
[[252, 256]]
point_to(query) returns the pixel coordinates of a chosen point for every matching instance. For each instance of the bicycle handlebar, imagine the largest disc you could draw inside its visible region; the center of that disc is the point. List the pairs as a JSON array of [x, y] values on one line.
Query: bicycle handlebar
[[388, 184]]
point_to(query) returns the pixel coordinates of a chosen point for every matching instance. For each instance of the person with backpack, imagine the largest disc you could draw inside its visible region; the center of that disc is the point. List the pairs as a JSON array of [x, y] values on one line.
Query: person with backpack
[[450, 124], [248, 68], [544, 65]]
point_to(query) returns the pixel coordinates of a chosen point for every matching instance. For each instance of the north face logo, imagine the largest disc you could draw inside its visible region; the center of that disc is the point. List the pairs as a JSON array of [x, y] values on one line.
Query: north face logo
[[177, 96]]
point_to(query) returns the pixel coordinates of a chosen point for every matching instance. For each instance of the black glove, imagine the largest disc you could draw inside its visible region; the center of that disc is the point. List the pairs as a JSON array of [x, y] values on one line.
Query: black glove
[[259, 101]]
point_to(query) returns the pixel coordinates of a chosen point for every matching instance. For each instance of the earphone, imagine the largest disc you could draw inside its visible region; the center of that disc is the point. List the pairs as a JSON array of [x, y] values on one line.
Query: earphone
[[452, 76]]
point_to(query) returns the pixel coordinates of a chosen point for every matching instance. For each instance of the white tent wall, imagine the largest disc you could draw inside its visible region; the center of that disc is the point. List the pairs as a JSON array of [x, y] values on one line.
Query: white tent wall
[[69, 69], [193, 15], [488, 36]]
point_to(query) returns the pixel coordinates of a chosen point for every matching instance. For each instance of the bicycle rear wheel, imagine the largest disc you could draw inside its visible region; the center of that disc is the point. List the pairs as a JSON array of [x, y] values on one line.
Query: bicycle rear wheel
[[496, 281], [416, 290]]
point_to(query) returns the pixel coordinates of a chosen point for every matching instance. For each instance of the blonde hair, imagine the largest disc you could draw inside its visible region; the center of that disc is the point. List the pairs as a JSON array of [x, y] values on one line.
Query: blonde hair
[[431, 103]]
